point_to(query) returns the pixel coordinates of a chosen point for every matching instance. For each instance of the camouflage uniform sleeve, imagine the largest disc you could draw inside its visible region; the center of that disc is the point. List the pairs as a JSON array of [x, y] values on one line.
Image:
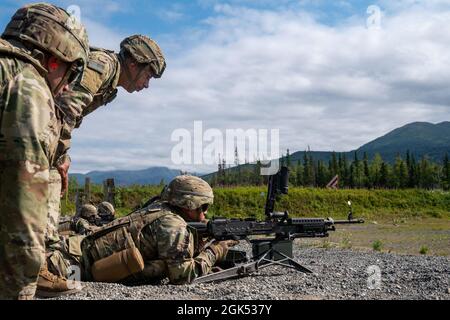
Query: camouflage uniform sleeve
[[176, 247], [76, 103], [82, 226], [71, 104]]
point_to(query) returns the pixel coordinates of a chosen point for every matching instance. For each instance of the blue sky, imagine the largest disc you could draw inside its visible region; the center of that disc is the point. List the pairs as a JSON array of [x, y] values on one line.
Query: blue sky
[[162, 19], [310, 68], [168, 17]]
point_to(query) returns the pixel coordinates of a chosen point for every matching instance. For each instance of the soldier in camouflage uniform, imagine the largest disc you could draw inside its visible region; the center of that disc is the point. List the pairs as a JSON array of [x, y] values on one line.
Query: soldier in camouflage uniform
[[87, 221], [139, 60], [106, 212], [41, 50], [152, 243]]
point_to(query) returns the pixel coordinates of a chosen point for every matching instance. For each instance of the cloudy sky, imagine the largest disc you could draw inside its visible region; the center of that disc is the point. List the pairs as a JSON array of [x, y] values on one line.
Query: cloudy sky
[[331, 75]]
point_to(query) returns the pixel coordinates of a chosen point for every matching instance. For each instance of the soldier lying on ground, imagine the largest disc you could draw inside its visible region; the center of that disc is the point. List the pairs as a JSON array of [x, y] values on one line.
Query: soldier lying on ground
[[106, 213], [88, 220], [152, 243]]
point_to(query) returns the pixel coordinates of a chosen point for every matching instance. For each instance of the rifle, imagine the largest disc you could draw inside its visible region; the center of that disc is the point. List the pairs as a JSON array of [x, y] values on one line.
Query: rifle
[[278, 231]]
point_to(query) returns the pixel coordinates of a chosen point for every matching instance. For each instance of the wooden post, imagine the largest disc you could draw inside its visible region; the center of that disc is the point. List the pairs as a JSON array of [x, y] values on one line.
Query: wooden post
[[111, 192], [87, 190], [78, 201], [105, 190]]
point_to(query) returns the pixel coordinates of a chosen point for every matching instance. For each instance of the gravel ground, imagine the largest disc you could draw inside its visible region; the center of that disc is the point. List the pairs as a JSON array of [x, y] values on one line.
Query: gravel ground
[[338, 274]]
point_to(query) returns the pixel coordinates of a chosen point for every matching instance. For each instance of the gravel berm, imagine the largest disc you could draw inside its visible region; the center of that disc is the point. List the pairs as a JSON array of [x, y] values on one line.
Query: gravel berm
[[338, 274]]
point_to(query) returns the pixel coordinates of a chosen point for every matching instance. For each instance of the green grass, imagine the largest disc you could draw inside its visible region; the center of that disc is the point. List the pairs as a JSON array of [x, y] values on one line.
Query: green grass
[[423, 250], [377, 245], [240, 202]]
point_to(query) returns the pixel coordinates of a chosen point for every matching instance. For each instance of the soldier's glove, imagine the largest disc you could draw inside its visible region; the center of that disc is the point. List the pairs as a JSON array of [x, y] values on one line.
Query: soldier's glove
[[220, 248]]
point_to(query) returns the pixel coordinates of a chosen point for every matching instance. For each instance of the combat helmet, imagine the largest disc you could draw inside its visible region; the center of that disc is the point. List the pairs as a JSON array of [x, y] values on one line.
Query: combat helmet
[[45, 27], [188, 192], [88, 212], [106, 211], [145, 51]]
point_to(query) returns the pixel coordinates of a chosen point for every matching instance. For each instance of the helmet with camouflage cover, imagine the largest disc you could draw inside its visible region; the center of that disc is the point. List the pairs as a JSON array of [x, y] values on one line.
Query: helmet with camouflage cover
[[50, 29], [188, 192], [145, 51], [88, 212], [106, 210]]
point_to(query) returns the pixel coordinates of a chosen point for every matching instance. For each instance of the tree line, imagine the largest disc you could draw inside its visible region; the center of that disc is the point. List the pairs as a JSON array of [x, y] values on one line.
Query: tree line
[[405, 172]]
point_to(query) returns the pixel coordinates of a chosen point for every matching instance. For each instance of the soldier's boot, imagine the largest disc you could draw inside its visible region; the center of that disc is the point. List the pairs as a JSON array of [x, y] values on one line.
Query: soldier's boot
[[50, 285]]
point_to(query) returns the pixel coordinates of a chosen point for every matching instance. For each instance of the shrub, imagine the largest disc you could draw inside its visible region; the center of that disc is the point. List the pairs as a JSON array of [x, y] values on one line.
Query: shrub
[[377, 245], [423, 250]]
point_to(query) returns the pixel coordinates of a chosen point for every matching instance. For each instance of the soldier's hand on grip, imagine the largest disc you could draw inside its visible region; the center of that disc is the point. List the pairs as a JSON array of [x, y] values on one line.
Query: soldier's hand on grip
[[220, 248]]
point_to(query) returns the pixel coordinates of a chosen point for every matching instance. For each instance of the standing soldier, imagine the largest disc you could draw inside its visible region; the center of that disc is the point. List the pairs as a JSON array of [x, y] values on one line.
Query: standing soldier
[[42, 50], [140, 59]]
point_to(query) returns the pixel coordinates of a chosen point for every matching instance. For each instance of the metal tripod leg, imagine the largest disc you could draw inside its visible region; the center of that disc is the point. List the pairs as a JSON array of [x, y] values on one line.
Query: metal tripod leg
[[249, 268]]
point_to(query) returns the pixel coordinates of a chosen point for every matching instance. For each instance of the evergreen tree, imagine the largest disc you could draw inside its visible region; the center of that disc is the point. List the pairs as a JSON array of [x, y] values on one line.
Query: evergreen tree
[[384, 176], [400, 173], [307, 171], [375, 170], [446, 173], [334, 168], [288, 158], [367, 177], [299, 174]]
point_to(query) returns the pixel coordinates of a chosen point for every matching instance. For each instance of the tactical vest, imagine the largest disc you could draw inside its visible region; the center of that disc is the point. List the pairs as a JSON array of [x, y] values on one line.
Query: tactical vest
[[7, 49], [121, 234], [108, 89]]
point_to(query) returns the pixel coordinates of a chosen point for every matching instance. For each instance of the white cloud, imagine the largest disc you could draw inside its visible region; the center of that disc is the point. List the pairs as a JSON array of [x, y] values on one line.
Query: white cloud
[[330, 87]]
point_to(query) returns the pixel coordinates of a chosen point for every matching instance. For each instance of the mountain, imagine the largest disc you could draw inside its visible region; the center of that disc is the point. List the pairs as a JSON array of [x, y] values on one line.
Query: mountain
[[420, 138], [152, 175]]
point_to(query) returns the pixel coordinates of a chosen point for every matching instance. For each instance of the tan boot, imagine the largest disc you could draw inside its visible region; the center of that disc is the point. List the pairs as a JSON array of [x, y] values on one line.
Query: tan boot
[[50, 285]]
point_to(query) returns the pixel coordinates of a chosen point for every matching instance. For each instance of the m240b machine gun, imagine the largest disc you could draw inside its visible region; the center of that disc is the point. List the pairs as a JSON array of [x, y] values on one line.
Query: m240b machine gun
[[278, 232]]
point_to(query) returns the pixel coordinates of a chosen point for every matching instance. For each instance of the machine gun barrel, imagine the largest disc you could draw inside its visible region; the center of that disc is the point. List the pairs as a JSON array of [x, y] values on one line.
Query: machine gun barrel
[[291, 228], [352, 221]]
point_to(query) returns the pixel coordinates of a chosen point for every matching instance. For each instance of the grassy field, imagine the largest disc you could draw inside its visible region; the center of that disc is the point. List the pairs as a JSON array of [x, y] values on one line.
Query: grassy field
[[427, 236], [402, 221]]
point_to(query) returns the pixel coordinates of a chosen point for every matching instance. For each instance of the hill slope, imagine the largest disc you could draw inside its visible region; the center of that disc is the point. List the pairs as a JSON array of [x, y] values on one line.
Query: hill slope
[[420, 138], [152, 175]]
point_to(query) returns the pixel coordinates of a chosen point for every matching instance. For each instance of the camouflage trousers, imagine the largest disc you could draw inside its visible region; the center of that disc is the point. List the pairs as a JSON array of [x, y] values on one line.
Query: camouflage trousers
[[54, 207], [28, 130], [64, 258], [23, 218]]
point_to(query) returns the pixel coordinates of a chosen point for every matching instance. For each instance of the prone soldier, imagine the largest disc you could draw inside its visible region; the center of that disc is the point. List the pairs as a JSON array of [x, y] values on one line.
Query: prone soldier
[[106, 213], [87, 221], [152, 243]]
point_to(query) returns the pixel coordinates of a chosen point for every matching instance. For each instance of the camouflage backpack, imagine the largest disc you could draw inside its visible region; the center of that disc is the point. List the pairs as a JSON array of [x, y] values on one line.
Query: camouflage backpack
[[123, 233]]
